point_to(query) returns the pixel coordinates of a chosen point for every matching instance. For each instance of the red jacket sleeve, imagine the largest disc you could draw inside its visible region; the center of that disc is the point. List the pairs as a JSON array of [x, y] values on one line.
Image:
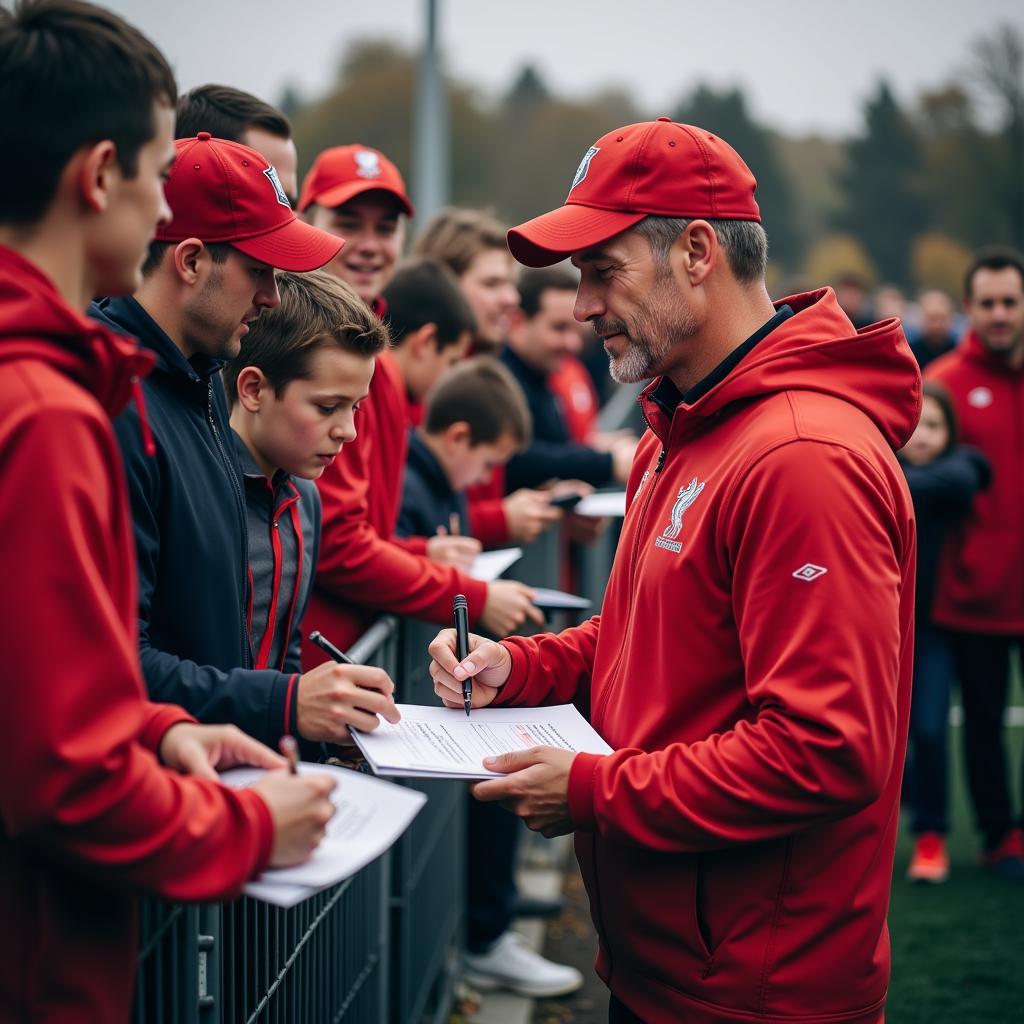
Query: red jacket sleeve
[[76, 781], [487, 520], [359, 565], [822, 677]]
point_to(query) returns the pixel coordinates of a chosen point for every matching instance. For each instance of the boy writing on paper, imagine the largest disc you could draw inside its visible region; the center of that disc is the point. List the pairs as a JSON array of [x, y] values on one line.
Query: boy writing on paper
[[294, 391], [475, 419]]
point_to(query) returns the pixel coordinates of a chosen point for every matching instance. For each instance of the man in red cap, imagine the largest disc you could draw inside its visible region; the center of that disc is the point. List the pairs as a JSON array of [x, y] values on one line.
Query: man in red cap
[[751, 665], [358, 192], [208, 275]]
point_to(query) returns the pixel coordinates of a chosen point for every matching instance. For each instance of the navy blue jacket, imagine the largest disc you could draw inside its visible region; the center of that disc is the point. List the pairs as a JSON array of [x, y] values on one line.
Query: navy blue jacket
[[552, 454], [190, 535], [427, 496], [942, 491]]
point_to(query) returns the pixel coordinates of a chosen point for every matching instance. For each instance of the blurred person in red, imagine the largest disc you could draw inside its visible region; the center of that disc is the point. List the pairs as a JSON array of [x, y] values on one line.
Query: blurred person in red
[[738, 844], [96, 801], [980, 591], [472, 244], [364, 569]]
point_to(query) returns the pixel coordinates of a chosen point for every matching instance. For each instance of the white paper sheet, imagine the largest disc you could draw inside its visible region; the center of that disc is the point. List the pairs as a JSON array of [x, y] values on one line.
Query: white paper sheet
[[443, 743], [370, 815], [546, 598], [489, 565], [602, 503]]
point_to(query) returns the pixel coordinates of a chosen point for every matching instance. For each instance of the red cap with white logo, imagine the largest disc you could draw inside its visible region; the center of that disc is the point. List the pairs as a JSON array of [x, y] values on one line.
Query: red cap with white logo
[[222, 191], [344, 172], [656, 168]]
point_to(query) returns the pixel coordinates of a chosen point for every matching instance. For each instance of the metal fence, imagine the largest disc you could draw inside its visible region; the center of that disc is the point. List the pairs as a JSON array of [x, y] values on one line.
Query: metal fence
[[380, 948]]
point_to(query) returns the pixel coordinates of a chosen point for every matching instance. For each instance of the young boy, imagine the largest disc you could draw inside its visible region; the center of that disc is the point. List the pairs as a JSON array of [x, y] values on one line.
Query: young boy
[[294, 391], [95, 805], [474, 420], [363, 568]]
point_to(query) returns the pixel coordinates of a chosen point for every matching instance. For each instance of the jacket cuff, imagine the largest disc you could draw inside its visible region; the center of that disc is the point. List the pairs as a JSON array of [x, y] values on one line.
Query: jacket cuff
[[488, 523], [162, 718], [476, 595], [282, 712], [414, 545], [581, 791]]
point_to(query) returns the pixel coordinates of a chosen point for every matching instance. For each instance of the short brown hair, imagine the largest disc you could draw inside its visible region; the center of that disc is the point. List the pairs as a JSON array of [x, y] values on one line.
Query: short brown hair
[[227, 113], [534, 283], [457, 236], [425, 291], [992, 258], [482, 393], [316, 309], [71, 75]]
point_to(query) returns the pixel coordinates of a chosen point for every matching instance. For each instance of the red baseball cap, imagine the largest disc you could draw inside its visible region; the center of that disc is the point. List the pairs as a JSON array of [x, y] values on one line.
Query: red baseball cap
[[656, 167], [222, 191], [343, 172]]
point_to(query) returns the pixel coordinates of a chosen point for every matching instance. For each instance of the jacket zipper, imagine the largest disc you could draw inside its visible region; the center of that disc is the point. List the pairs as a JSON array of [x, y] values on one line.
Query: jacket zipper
[[240, 508], [634, 555]]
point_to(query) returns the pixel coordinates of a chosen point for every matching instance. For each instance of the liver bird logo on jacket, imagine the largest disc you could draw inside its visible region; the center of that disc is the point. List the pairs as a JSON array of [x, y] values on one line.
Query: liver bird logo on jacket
[[686, 497]]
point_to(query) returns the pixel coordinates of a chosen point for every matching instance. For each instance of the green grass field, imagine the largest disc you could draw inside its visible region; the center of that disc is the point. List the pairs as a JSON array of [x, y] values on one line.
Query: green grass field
[[958, 948]]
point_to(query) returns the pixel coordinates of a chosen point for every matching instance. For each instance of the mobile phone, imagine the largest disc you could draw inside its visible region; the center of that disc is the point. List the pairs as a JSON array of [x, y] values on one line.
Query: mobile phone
[[566, 501]]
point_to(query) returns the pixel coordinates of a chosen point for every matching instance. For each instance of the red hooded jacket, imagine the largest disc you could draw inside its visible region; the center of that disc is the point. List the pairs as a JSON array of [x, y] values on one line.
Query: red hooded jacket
[[751, 667], [87, 813], [981, 575], [363, 569]]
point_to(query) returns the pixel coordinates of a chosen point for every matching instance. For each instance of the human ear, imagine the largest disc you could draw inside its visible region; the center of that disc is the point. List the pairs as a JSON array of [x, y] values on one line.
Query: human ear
[[95, 174], [187, 259], [696, 252], [251, 388]]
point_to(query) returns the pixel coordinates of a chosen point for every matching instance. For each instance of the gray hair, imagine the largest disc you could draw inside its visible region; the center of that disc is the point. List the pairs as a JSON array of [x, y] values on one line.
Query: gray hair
[[744, 242]]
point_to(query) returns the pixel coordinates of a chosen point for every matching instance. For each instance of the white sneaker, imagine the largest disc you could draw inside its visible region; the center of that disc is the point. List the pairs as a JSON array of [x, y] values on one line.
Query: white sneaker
[[511, 963]]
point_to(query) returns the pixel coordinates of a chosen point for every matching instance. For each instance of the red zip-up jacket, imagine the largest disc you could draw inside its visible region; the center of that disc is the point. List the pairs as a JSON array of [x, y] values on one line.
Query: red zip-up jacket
[[87, 815], [981, 573], [751, 668], [363, 569]]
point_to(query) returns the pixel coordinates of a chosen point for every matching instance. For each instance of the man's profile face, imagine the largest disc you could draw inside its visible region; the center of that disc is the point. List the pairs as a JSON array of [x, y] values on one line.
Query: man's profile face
[[373, 227], [228, 297], [995, 308], [118, 243], [545, 339], [634, 304], [280, 153]]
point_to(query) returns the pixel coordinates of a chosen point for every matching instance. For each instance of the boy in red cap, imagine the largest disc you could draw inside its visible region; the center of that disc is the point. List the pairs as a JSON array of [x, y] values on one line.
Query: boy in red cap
[[94, 802], [358, 191], [209, 274], [751, 666]]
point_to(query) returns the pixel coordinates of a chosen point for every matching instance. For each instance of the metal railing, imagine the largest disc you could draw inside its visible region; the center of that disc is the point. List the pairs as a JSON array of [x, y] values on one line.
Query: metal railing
[[380, 948]]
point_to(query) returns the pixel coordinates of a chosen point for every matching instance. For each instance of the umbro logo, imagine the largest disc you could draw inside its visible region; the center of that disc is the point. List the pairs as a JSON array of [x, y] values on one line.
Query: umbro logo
[[809, 571]]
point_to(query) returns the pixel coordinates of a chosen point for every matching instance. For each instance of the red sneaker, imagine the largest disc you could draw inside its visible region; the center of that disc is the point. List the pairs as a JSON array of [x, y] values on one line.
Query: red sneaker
[[930, 862], [1007, 859]]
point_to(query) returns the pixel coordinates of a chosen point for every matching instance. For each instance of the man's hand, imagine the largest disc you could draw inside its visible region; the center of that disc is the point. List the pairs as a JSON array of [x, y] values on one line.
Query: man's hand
[[457, 552], [332, 697], [585, 529], [509, 604], [536, 787], [622, 452], [300, 808], [202, 750], [489, 664], [528, 514]]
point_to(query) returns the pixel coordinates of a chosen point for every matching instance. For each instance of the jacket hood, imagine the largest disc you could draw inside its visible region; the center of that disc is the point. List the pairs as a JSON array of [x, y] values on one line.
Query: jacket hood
[[818, 349], [36, 322]]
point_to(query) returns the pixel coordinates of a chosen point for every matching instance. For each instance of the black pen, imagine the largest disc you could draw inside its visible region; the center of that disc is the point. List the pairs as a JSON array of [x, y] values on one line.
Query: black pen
[[316, 637], [461, 610]]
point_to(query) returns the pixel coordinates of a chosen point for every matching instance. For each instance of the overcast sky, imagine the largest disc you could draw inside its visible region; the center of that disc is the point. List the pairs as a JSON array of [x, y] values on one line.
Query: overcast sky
[[806, 65]]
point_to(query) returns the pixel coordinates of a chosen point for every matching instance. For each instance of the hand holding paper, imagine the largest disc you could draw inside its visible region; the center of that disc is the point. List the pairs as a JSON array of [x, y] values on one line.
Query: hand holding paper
[[536, 787]]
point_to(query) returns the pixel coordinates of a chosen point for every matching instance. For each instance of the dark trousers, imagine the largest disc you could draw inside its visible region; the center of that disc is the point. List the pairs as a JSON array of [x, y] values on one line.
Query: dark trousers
[[927, 778], [983, 668], [492, 837], [619, 1013]]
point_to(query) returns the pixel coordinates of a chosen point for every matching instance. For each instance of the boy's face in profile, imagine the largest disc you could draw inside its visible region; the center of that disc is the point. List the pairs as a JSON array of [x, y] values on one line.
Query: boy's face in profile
[[472, 464], [301, 430]]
